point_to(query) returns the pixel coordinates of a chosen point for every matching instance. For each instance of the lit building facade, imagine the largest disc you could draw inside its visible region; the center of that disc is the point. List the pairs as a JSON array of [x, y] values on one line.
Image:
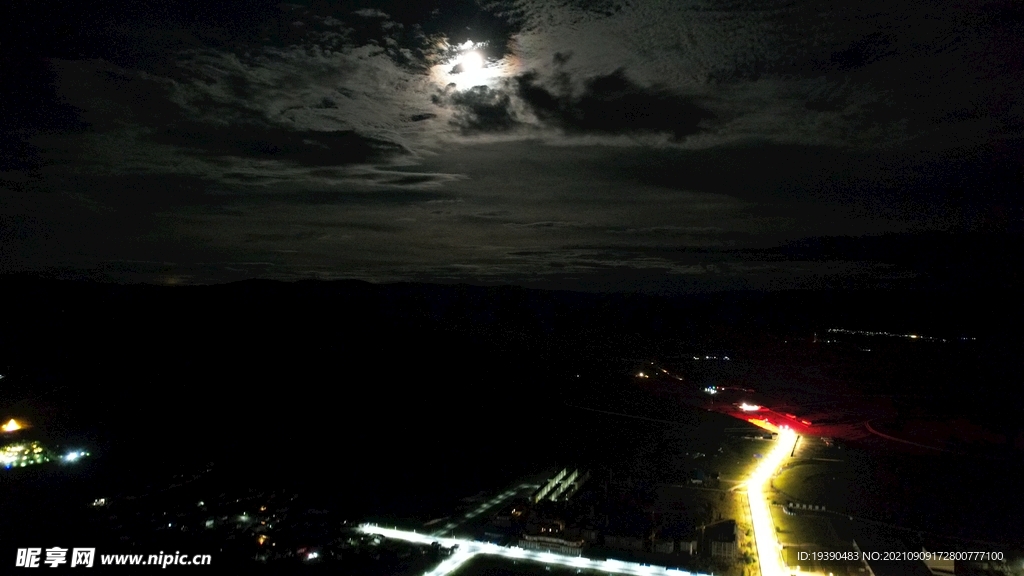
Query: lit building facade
[[551, 544]]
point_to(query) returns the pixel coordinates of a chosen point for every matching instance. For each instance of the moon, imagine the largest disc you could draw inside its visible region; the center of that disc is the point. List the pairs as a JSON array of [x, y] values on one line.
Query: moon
[[471, 67], [471, 61]]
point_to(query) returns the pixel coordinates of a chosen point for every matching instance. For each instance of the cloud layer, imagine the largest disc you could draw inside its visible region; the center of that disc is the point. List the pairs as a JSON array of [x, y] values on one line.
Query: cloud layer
[[604, 144]]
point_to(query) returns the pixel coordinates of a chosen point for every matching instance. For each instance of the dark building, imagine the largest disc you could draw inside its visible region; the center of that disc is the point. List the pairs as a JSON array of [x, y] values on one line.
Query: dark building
[[624, 542], [721, 540], [681, 535]]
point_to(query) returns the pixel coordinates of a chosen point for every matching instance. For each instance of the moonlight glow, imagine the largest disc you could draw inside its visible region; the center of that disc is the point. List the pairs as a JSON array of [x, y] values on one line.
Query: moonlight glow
[[471, 62], [469, 68]]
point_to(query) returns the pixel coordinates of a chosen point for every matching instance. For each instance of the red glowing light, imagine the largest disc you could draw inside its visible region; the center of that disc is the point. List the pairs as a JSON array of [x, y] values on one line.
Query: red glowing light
[[764, 424]]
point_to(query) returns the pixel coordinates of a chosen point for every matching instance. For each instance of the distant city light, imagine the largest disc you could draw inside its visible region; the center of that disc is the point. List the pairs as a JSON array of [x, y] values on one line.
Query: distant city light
[[11, 426], [22, 455], [889, 334], [75, 455]]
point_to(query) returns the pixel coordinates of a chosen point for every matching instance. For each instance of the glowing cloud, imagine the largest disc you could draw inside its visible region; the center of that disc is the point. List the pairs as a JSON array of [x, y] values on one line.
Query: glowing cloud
[[469, 68]]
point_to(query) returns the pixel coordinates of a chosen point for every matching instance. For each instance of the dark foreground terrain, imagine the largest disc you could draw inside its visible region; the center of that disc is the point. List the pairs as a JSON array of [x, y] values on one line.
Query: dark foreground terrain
[[327, 403]]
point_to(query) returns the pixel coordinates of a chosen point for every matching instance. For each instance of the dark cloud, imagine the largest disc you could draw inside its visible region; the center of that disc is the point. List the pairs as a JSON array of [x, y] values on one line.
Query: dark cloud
[[766, 145], [16, 155], [964, 189], [30, 103], [866, 50], [483, 109], [547, 224], [613, 104], [306, 148], [927, 259], [328, 199], [410, 32], [134, 33], [30, 98]]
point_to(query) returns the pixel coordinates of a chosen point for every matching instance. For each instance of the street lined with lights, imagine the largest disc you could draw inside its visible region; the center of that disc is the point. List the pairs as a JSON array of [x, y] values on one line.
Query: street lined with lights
[[758, 486], [768, 550], [769, 554], [467, 549], [485, 507]]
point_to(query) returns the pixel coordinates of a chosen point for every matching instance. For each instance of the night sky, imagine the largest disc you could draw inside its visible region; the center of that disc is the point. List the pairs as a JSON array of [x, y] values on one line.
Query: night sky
[[666, 146]]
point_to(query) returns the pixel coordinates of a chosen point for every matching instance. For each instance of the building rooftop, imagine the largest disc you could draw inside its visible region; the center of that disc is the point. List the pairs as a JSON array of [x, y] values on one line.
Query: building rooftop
[[724, 531]]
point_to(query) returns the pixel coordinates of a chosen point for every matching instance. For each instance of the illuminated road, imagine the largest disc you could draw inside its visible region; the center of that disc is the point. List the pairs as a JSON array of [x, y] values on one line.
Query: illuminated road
[[484, 508], [467, 549], [769, 554]]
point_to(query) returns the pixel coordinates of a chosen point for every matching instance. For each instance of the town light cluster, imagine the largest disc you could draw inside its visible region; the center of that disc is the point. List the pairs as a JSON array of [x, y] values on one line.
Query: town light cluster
[[758, 485], [23, 454]]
